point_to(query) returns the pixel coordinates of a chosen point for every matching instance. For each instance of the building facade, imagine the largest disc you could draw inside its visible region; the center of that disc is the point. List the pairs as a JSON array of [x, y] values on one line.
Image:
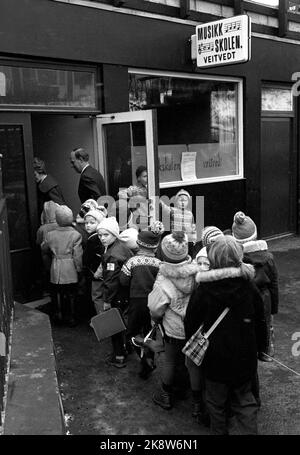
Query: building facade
[[119, 78]]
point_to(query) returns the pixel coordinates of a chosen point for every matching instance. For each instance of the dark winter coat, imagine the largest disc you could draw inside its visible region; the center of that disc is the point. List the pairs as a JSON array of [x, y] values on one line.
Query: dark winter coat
[[91, 184], [112, 262], [266, 275], [92, 255], [231, 357]]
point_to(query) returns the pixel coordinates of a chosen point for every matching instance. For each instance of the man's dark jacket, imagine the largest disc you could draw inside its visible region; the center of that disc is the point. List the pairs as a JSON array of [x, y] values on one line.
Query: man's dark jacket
[[91, 184]]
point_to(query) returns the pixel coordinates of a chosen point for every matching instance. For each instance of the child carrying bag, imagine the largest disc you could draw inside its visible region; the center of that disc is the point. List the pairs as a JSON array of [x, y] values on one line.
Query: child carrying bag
[[195, 348], [155, 345], [107, 323]]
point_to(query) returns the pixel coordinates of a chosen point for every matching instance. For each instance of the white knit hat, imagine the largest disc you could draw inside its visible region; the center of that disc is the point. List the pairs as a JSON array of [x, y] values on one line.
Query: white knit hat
[[95, 213], [110, 224], [129, 237]]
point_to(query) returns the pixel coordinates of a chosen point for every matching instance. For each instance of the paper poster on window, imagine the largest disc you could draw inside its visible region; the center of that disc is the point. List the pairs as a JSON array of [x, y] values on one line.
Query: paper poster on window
[[188, 166], [2, 84], [170, 162], [215, 159]]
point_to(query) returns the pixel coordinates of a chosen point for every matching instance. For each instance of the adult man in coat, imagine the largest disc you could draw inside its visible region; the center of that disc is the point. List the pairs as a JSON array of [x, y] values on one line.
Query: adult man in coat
[[91, 183]]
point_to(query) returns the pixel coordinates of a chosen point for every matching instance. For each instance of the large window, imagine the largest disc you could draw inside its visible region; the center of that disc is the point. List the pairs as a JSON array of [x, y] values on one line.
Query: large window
[[47, 87], [199, 125]]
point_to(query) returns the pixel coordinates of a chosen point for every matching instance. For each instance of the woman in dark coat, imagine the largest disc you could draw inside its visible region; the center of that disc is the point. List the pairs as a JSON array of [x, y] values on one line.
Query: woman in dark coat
[[231, 359], [48, 189]]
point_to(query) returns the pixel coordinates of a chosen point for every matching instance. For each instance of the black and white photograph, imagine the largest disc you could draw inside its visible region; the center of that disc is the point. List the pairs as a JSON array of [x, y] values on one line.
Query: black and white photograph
[[149, 223]]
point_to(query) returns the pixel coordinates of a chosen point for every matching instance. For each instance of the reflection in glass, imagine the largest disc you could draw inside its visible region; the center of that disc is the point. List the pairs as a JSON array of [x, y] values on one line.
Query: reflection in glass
[[44, 86], [276, 99], [196, 119]]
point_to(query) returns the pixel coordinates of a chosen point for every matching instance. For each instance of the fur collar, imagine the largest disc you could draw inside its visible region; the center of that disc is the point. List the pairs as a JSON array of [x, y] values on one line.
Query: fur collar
[[255, 245], [245, 271], [182, 270]]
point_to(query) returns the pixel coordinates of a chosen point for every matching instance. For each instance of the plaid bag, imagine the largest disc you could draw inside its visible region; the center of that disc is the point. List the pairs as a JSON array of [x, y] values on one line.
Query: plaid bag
[[196, 347]]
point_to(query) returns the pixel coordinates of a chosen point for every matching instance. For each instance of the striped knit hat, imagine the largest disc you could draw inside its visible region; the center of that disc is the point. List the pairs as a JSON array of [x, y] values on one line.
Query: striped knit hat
[[210, 234], [243, 228], [174, 247]]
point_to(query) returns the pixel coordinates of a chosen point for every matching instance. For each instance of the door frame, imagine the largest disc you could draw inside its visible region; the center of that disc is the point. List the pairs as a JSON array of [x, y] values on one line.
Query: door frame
[[150, 120], [24, 119]]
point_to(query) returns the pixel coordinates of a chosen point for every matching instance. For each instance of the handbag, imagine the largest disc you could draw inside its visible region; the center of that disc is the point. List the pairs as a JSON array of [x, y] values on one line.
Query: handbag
[[154, 344], [196, 347]]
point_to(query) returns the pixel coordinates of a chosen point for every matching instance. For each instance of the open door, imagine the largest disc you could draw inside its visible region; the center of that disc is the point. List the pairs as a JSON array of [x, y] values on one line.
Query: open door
[[127, 140]]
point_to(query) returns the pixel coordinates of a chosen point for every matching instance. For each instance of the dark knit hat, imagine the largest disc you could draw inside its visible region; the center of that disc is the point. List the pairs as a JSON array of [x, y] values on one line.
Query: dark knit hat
[[87, 206], [210, 234], [243, 228], [174, 247], [64, 216], [148, 239]]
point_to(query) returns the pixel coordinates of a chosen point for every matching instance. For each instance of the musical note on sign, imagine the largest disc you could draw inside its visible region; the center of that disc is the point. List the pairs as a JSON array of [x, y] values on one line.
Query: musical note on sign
[[205, 47], [232, 26]]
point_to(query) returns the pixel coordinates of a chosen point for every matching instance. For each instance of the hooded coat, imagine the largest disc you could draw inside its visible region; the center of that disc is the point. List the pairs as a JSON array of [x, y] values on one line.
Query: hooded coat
[[231, 357], [266, 276], [48, 221], [170, 295]]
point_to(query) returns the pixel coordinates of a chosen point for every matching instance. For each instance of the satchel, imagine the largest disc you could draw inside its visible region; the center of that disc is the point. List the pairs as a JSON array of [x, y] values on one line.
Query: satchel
[[196, 347], [107, 323]]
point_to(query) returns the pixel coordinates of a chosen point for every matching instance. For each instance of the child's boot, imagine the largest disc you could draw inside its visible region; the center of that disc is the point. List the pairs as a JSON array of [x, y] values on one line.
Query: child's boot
[[163, 397]]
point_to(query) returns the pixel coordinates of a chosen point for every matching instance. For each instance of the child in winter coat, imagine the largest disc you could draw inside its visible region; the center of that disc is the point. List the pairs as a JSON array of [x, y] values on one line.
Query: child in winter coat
[[167, 303], [49, 218], [266, 276], [92, 254], [139, 273], [64, 243], [115, 254], [79, 223], [231, 358], [49, 224]]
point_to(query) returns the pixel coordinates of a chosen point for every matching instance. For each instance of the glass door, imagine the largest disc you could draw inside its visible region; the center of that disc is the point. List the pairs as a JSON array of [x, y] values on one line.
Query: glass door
[[127, 144]]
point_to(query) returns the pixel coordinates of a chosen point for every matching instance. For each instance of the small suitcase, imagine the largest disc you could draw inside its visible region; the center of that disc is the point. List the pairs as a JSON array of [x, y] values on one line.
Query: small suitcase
[[107, 323]]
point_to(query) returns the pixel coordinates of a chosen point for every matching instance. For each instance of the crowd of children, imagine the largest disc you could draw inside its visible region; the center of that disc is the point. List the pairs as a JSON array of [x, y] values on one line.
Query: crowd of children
[[155, 282]]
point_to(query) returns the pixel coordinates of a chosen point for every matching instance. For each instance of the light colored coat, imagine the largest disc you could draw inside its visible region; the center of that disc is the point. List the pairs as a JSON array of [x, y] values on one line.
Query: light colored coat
[[65, 246], [170, 295]]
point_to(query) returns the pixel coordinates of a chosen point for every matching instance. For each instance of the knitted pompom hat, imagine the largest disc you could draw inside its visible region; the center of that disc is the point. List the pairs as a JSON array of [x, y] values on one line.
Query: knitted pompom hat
[[129, 238], [243, 228], [210, 234], [174, 247], [95, 213], [64, 216], [110, 224]]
